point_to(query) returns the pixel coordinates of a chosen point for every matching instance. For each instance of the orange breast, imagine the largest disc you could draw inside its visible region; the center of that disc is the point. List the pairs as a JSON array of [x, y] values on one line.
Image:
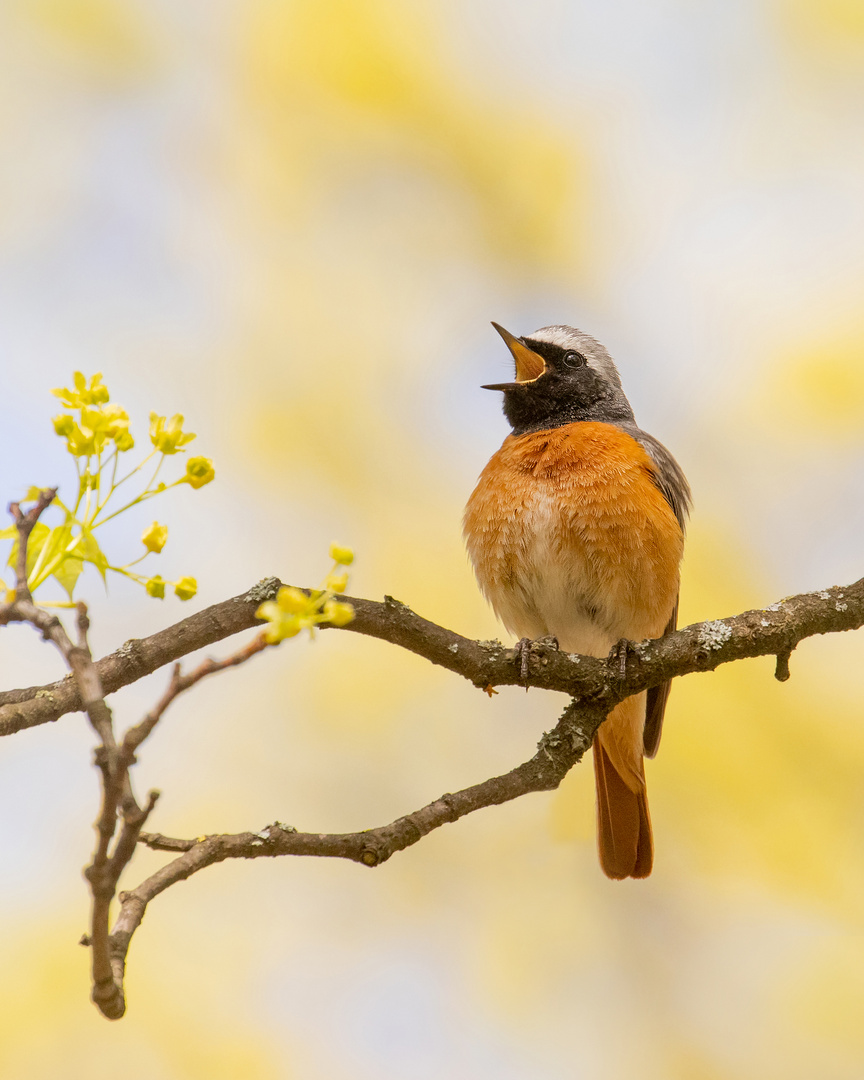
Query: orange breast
[[570, 536]]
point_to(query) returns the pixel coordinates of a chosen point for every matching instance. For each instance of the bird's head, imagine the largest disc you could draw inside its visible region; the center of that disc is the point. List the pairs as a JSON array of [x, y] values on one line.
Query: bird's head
[[562, 375]]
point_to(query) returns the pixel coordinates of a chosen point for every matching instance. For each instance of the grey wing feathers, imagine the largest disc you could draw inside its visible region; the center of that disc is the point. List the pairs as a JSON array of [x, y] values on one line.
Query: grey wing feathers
[[673, 484], [655, 705], [667, 473]]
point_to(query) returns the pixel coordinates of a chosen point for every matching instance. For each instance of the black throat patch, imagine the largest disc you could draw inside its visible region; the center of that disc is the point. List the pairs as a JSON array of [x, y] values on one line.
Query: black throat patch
[[570, 390]]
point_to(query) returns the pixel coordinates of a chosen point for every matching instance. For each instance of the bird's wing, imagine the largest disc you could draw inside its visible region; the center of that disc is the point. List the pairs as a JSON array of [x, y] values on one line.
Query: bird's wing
[[668, 475], [670, 479], [655, 705]]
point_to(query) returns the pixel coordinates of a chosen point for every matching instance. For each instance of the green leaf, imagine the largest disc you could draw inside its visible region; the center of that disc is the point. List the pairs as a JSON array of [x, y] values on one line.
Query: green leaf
[[68, 572], [34, 546], [89, 551], [52, 550], [57, 541]]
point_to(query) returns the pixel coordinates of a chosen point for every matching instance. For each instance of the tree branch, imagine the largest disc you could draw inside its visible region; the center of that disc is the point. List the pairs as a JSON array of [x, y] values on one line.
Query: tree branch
[[600, 685], [771, 631], [594, 685], [35, 705]]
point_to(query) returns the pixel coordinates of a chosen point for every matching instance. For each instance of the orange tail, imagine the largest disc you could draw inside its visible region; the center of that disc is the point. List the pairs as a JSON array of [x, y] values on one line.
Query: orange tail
[[623, 824]]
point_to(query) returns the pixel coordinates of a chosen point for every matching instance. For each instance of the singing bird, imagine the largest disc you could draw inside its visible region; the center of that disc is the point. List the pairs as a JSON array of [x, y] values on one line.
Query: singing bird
[[576, 531]]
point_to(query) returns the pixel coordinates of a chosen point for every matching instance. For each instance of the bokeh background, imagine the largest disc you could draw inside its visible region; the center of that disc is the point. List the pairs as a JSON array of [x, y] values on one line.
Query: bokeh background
[[292, 220]]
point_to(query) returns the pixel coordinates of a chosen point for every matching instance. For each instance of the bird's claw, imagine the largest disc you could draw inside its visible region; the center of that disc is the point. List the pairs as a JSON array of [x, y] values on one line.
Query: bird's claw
[[618, 653], [523, 648]]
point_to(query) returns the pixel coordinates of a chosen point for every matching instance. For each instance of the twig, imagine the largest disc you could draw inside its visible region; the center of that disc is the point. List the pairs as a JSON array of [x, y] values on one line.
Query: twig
[[558, 751], [103, 871], [781, 669], [22, 608], [25, 524], [103, 874], [117, 798], [180, 683]]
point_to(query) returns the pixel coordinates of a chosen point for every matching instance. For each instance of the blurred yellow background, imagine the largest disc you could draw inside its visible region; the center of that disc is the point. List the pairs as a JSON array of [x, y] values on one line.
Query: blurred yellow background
[[292, 220]]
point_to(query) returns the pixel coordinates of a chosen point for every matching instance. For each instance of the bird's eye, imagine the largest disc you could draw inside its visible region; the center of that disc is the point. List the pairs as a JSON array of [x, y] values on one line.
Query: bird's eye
[[574, 359]]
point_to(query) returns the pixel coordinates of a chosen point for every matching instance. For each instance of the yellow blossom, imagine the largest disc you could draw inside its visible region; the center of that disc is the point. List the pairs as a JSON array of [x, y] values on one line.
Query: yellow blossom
[[342, 555], [168, 435], [154, 538], [337, 613], [156, 587], [95, 424], [114, 421], [95, 394], [294, 601], [186, 588], [294, 610], [280, 626], [115, 417], [199, 471], [81, 441], [337, 583], [288, 614]]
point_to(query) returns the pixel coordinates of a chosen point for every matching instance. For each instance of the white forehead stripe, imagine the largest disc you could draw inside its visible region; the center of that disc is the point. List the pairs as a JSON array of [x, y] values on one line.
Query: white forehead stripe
[[562, 336], [568, 337]]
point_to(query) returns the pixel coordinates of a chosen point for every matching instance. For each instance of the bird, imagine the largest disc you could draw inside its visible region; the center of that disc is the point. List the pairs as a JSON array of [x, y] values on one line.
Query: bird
[[576, 532]]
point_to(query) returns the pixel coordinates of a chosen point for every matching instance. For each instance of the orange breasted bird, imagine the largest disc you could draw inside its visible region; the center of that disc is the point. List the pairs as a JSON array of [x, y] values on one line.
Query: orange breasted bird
[[576, 531]]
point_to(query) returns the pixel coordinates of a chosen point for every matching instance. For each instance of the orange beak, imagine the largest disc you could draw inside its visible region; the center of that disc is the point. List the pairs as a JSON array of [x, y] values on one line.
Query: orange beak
[[529, 364]]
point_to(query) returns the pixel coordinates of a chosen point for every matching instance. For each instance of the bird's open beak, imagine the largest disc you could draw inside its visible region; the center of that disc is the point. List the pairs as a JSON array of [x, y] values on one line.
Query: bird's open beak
[[529, 364]]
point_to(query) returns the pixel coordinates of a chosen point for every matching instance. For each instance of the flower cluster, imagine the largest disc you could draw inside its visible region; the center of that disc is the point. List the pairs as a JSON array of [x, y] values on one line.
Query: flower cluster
[[94, 430], [294, 610], [97, 432]]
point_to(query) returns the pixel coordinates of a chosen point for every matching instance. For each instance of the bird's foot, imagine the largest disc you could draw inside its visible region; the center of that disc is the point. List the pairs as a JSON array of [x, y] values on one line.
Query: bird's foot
[[523, 652], [618, 656]]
